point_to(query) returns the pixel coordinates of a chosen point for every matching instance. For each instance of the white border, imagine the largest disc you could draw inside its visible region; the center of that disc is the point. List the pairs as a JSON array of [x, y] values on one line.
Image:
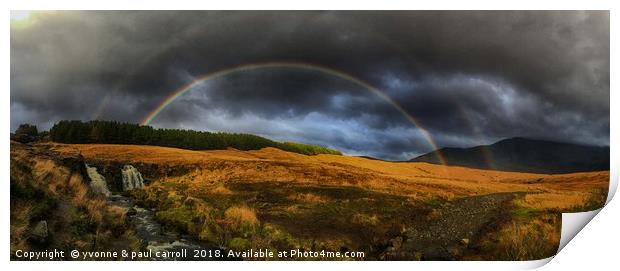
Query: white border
[[587, 248], [312, 5]]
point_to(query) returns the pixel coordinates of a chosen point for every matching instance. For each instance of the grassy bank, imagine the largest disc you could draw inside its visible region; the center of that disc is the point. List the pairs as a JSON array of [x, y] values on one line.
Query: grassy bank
[[52, 208]]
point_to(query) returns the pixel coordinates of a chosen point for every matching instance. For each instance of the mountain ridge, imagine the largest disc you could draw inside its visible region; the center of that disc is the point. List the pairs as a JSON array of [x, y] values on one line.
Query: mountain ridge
[[524, 155]]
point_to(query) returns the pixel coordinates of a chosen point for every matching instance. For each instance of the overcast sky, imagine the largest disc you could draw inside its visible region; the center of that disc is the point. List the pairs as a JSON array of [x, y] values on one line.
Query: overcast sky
[[467, 78]]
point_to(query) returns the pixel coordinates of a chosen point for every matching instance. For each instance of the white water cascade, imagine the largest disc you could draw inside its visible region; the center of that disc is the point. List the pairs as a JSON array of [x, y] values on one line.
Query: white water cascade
[[132, 179], [97, 182]]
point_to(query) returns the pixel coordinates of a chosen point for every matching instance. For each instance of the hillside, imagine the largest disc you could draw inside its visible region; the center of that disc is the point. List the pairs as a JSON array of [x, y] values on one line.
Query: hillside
[[417, 180], [112, 132], [270, 198], [525, 155]]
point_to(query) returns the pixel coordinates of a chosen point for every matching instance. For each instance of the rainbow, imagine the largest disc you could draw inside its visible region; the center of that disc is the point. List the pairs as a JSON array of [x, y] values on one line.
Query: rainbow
[[294, 65]]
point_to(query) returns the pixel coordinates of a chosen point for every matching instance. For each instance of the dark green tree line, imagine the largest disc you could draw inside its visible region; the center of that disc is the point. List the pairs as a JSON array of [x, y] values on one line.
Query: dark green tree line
[[113, 132]]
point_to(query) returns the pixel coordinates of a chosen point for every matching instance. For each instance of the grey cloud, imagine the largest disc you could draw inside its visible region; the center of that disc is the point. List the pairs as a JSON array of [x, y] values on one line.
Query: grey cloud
[[468, 77]]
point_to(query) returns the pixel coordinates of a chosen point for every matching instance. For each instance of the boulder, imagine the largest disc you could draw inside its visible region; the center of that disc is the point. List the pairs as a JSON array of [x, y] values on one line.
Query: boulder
[[131, 211], [397, 242], [40, 232], [465, 242]]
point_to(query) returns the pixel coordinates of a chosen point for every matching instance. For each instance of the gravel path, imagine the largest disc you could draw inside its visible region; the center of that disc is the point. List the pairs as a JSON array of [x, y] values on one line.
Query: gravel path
[[450, 228]]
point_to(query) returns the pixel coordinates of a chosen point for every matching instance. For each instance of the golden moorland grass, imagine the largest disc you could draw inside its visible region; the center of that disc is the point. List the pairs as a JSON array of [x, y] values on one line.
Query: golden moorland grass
[[279, 199], [522, 239], [416, 180], [241, 215]]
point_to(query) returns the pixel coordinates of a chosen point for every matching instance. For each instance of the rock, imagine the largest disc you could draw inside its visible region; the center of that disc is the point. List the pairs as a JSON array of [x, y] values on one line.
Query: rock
[[40, 232], [465, 241], [131, 211], [397, 242]]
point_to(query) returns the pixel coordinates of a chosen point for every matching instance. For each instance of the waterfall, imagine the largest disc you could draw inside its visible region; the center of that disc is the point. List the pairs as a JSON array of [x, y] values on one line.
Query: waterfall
[[132, 179], [97, 182]]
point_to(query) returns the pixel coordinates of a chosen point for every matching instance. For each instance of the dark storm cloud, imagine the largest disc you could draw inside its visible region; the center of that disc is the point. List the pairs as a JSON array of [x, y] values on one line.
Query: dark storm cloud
[[467, 77]]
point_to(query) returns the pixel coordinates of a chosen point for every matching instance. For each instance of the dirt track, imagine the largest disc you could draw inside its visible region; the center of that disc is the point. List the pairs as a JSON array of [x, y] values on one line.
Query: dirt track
[[447, 233]]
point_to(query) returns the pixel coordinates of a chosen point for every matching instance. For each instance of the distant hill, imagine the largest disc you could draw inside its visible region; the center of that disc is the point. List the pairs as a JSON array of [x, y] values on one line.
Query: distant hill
[[112, 132], [525, 155]]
